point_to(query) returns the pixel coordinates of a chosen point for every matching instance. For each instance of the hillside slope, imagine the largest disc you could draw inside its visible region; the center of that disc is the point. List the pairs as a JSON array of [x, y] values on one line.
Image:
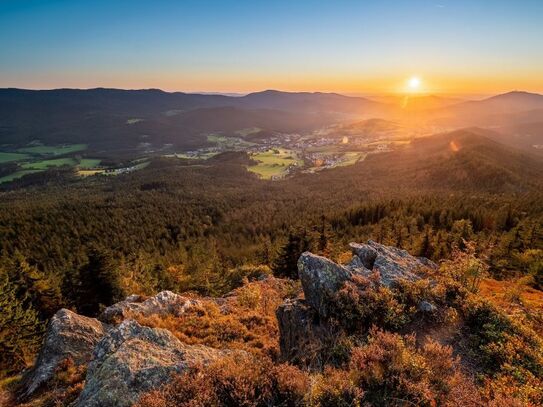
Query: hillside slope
[[378, 330], [463, 159], [100, 116]]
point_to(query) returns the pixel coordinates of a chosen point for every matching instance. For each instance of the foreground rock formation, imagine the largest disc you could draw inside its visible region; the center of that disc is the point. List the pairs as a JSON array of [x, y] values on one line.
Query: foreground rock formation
[[125, 359], [69, 335], [165, 302], [302, 322], [132, 359]]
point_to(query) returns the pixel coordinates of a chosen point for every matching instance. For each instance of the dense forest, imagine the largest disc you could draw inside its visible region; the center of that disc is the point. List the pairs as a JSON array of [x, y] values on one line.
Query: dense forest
[[84, 244]]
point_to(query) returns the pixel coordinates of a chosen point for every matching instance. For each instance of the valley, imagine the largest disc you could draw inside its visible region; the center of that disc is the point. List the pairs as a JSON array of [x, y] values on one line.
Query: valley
[[236, 214]]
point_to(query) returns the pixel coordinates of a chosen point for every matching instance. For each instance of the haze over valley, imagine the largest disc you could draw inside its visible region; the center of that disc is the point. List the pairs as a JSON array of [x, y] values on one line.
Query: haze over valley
[[110, 131]]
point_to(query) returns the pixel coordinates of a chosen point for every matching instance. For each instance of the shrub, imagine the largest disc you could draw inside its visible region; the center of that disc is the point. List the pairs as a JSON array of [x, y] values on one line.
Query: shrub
[[335, 387], [508, 351], [392, 371], [243, 381], [246, 320]]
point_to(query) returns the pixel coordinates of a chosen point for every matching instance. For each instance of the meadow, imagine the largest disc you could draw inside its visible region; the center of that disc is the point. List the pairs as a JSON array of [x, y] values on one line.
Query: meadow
[[9, 157], [44, 164], [35, 159], [274, 163], [228, 142], [53, 150], [17, 175]]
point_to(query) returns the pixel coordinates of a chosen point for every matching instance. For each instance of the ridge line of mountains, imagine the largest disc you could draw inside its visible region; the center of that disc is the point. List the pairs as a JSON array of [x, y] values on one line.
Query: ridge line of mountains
[[115, 118]]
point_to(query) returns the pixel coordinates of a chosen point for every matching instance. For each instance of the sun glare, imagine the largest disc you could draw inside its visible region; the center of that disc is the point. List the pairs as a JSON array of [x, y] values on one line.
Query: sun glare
[[413, 83]]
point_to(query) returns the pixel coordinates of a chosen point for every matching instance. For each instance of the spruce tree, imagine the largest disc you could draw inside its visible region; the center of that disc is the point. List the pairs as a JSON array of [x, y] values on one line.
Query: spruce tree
[[286, 264], [20, 328], [98, 283]]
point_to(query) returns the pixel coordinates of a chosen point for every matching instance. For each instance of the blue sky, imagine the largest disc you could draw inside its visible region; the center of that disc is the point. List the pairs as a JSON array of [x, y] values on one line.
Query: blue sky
[[348, 46]]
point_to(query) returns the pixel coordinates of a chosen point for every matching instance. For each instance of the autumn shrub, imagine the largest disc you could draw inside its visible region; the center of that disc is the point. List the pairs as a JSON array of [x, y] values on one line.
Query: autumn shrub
[[466, 266], [61, 391], [68, 382], [509, 353], [245, 320], [244, 381], [335, 387], [391, 370], [363, 302]]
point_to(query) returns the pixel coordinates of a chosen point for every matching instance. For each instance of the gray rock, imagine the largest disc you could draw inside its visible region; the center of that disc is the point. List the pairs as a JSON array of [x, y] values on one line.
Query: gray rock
[[392, 263], [426, 306], [68, 335], [320, 278], [358, 267], [132, 359], [299, 327], [165, 302], [365, 253]]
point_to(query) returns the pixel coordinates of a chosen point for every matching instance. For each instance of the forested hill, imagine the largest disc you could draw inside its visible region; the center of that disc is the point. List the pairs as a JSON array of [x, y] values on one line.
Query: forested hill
[[208, 226], [464, 159], [99, 116], [176, 212]]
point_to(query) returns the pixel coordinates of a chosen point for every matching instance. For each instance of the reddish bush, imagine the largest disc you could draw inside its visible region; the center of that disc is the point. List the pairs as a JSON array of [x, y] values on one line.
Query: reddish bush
[[248, 381]]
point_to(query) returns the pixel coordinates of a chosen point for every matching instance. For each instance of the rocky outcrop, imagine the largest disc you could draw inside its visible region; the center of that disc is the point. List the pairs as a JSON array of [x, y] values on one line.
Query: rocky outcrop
[[132, 359], [303, 323], [320, 279], [299, 327], [392, 263], [165, 302], [68, 335]]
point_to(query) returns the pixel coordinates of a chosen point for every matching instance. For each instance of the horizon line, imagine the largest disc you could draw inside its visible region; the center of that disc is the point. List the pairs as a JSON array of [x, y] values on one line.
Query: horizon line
[[242, 94]]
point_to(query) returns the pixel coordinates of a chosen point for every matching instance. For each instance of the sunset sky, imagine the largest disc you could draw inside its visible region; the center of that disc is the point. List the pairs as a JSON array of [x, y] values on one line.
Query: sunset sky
[[470, 46]]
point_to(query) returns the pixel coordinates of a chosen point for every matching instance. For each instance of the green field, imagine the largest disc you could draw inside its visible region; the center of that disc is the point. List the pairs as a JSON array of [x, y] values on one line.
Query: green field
[[228, 142], [44, 164], [351, 158], [248, 131], [8, 157], [17, 175], [201, 156], [273, 163], [54, 150], [87, 163]]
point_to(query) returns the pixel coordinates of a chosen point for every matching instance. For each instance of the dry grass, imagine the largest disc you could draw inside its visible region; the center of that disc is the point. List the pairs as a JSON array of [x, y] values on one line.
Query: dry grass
[[499, 292], [245, 320]]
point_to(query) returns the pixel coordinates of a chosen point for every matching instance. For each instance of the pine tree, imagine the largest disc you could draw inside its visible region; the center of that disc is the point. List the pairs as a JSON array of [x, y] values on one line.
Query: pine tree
[[427, 249], [32, 284], [20, 328], [98, 283], [323, 244], [286, 264]]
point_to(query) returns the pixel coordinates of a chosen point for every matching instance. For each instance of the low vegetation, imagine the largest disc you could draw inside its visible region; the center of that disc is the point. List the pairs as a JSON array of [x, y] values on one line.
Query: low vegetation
[[477, 356], [274, 163]]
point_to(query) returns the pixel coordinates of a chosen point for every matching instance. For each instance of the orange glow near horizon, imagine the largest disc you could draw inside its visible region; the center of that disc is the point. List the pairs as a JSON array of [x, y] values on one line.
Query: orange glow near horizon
[[355, 47], [246, 82]]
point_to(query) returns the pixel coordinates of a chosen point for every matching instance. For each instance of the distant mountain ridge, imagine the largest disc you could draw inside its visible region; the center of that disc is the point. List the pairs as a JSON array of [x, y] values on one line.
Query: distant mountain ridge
[[490, 111], [99, 116]]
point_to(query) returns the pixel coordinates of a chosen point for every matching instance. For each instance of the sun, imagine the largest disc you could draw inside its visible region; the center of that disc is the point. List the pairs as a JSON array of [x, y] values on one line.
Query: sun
[[413, 83]]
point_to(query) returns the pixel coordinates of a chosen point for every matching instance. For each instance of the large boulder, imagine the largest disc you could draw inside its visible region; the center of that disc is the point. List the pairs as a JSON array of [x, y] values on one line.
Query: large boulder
[[299, 329], [132, 359], [392, 263], [165, 302], [320, 278], [303, 324], [68, 335]]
